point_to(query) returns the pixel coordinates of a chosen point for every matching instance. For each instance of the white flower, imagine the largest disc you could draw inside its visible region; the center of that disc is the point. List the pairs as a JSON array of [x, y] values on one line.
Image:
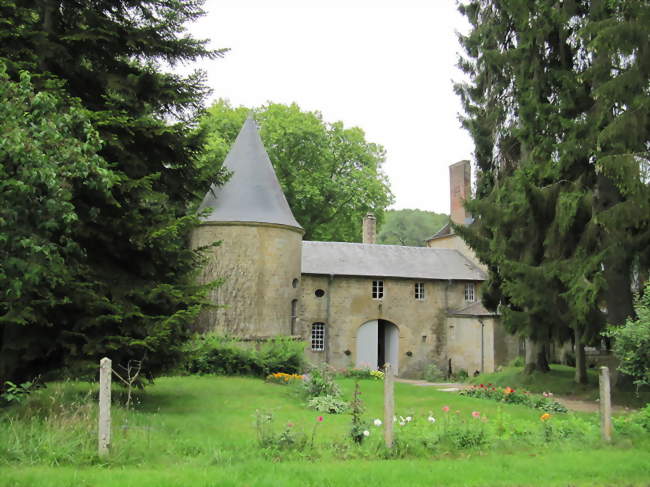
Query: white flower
[[366, 433], [394, 418], [402, 423], [377, 422], [409, 419], [431, 419]]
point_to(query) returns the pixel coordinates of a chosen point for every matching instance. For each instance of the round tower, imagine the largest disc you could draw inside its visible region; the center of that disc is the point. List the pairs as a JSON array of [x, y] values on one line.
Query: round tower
[[261, 244]]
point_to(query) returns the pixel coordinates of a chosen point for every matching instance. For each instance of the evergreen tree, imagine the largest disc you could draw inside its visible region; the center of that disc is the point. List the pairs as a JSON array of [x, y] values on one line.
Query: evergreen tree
[[130, 292], [558, 224]]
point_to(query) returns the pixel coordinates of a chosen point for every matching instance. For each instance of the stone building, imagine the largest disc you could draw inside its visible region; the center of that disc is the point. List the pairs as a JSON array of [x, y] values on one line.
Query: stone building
[[355, 304]]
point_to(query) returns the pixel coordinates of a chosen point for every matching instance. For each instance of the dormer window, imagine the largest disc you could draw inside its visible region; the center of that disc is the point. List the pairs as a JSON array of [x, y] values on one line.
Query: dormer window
[[470, 292]]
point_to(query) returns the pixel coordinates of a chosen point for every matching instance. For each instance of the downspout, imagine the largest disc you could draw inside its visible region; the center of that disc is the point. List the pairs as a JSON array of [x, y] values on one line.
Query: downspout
[[482, 345], [446, 294], [328, 327]]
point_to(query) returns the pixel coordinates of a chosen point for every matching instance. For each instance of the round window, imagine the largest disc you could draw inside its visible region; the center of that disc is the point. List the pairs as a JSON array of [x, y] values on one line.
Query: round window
[[319, 293]]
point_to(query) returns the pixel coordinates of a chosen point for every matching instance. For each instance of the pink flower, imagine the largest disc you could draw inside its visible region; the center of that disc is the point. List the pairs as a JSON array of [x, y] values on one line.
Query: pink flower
[[319, 419], [476, 414], [289, 425], [445, 409]]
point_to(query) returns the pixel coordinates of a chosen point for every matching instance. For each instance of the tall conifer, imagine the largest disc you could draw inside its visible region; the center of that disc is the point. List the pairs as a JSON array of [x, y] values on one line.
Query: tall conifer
[[132, 293], [555, 222]]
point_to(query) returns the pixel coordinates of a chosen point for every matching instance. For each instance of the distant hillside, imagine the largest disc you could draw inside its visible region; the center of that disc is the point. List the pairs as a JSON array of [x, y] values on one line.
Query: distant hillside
[[409, 227]]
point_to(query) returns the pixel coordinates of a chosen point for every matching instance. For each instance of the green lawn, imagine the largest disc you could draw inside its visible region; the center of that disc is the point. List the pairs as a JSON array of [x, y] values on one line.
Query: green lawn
[[200, 431]]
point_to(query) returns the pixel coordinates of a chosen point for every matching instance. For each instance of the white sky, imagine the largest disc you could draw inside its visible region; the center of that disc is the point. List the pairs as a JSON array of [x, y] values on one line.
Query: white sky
[[385, 66]]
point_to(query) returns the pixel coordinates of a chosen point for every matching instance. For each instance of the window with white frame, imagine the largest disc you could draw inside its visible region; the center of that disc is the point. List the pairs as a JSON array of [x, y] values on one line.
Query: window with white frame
[[419, 290], [318, 337], [470, 293], [377, 289]]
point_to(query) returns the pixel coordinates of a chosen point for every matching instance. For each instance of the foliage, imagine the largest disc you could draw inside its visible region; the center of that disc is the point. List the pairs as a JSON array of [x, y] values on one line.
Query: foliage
[[327, 404], [268, 439], [17, 393], [409, 227], [632, 342], [432, 373], [320, 382], [359, 429], [330, 175], [215, 354], [510, 395], [557, 105], [634, 424], [111, 182]]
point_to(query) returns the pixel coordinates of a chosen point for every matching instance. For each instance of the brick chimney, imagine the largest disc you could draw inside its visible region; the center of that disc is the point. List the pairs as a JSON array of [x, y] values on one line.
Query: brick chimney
[[460, 178], [369, 229]]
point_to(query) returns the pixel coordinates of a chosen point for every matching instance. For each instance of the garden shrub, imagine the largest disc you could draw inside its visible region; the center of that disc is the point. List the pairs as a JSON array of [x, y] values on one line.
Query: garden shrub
[[215, 354], [320, 382], [327, 404], [363, 373], [632, 341], [433, 374], [284, 379], [517, 362]]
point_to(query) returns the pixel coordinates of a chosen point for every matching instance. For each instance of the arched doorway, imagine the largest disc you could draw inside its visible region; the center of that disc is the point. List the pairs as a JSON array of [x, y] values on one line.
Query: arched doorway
[[377, 344]]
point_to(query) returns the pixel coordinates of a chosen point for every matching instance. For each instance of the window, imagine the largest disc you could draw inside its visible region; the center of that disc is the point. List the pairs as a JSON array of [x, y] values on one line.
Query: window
[[419, 290], [318, 337], [377, 289], [319, 293], [294, 315], [469, 292]]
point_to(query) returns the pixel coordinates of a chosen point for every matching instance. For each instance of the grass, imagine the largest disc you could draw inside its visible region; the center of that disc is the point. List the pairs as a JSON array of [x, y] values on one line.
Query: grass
[[200, 431], [560, 381]]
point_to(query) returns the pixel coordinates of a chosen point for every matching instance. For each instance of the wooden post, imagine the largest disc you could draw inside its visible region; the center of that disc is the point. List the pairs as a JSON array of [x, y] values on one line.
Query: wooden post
[[105, 372], [605, 405], [389, 405]]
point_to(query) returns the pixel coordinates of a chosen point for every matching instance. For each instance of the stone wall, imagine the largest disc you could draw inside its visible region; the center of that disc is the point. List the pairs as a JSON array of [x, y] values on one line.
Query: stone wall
[[347, 303], [259, 263]]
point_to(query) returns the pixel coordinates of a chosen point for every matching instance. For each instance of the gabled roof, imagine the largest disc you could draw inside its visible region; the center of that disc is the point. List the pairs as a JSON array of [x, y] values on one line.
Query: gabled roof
[[371, 260], [446, 230], [253, 193], [474, 309]]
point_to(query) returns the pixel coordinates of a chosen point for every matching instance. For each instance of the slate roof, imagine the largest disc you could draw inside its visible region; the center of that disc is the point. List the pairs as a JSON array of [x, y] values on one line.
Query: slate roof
[[474, 309], [447, 230], [253, 193], [371, 260]]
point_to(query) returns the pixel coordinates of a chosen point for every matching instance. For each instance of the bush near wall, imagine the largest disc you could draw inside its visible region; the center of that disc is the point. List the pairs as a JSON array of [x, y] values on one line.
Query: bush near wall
[[215, 354]]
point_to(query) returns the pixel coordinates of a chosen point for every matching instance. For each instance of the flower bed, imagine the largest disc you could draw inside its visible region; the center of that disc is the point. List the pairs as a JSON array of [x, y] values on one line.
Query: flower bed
[[545, 402], [285, 379]]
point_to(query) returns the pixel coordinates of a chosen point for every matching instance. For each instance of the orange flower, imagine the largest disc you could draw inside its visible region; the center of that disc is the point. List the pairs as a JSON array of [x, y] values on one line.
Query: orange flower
[[545, 417], [508, 390]]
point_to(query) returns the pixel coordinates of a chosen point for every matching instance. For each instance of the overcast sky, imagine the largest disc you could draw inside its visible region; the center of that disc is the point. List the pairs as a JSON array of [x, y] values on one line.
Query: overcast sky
[[383, 65]]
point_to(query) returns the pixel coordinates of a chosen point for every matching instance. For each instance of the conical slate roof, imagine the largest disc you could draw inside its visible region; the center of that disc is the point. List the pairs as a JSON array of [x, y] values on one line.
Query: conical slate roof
[[253, 193]]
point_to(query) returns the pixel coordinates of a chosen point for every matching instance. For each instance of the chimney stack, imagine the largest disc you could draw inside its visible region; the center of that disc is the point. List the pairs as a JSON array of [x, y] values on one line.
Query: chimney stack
[[460, 178], [369, 229]]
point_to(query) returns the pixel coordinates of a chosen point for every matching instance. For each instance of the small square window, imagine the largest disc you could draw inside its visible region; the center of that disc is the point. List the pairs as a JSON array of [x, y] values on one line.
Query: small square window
[[377, 289], [469, 292], [419, 290], [318, 337]]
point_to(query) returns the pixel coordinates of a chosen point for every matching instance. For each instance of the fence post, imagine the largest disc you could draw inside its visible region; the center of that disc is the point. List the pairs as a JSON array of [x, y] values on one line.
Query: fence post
[[105, 372], [605, 405], [389, 405]]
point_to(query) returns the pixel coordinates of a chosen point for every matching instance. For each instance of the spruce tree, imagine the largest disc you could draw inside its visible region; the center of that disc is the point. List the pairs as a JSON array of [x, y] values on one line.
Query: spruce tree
[[559, 224], [131, 294]]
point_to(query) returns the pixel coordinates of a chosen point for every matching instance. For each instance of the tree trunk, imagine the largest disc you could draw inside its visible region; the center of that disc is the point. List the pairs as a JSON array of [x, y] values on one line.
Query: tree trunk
[[536, 359], [581, 363]]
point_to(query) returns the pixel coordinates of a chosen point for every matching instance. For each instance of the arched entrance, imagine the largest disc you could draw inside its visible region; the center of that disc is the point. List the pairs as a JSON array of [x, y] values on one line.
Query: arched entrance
[[377, 344]]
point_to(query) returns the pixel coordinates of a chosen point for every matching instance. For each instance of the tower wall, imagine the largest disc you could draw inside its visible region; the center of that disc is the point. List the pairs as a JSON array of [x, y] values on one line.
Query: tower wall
[[258, 263]]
